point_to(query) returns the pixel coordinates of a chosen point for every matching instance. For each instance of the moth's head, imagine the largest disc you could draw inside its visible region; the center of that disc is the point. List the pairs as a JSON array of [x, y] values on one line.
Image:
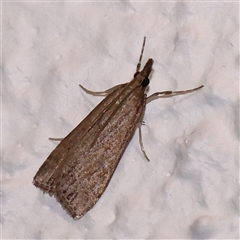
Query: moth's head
[[147, 68], [145, 72]]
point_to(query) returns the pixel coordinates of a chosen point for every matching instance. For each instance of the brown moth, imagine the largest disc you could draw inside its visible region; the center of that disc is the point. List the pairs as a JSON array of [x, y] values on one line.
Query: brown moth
[[79, 169]]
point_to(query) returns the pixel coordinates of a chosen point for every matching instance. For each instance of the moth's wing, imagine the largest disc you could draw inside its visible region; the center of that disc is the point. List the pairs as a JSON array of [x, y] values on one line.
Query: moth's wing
[[90, 168], [47, 173]]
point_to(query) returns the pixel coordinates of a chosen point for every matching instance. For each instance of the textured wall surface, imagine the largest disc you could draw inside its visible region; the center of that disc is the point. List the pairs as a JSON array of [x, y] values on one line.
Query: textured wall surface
[[189, 189]]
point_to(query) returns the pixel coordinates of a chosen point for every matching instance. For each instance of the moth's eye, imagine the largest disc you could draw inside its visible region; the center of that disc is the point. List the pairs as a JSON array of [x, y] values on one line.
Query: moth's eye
[[135, 74], [145, 82]]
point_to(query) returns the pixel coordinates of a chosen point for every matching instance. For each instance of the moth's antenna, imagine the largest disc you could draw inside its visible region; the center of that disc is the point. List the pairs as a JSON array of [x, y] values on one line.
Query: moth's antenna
[[140, 58]]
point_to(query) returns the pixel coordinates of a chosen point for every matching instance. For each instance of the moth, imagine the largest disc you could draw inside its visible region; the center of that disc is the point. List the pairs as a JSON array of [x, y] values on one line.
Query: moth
[[80, 168]]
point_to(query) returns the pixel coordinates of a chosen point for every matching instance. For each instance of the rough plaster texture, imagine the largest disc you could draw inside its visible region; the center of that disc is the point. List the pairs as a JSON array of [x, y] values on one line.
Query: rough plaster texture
[[189, 190]]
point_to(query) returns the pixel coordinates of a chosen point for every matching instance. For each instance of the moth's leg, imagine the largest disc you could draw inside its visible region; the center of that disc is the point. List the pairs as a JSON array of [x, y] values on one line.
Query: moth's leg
[[103, 94], [141, 142], [167, 94], [56, 139], [108, 91]]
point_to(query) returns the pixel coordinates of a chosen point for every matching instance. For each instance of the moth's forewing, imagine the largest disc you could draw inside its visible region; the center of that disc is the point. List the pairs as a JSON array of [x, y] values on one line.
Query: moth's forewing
[[45, 178], [90, 166], [78, 171]]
